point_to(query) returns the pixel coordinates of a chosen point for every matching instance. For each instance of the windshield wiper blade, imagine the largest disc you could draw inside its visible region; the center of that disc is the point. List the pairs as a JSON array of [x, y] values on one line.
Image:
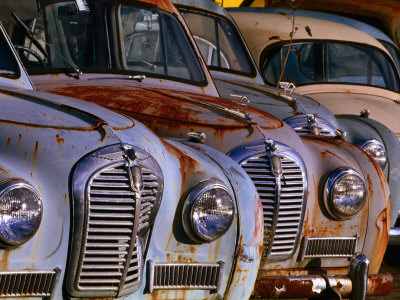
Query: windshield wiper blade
[[29, 34], [33, 37]]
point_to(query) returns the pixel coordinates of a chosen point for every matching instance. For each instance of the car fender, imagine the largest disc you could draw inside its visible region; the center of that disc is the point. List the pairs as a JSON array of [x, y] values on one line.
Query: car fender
[[362, 128], [250, 217]]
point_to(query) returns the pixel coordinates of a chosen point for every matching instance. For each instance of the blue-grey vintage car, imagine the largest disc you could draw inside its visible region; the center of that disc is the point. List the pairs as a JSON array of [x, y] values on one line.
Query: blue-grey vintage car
[[319, 195], [93, 204], [236, 75]]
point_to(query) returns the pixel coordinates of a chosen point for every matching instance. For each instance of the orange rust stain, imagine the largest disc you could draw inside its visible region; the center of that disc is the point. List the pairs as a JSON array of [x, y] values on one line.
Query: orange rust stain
[[31, 175], [370, 187], [187, 164], [8, 143], [35, 151], [25, 156], [19, 139], [60, 140], [4, 170], [4, 260]]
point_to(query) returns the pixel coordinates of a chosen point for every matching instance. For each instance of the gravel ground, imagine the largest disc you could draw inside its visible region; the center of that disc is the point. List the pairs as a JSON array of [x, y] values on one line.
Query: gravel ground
[[391, 264]]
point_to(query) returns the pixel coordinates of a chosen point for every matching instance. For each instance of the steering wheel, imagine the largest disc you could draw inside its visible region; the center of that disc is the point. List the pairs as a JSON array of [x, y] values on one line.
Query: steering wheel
[[22, 49]]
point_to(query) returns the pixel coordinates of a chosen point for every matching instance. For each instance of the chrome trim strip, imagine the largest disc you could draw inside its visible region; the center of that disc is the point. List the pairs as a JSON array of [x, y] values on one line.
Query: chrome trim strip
[[307, 125]]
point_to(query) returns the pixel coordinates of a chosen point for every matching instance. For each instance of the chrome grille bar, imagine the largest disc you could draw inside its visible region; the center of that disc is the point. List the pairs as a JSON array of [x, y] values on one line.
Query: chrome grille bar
[[328, 247], [27, 283], [199, 276], [282, 201], [111, 221]]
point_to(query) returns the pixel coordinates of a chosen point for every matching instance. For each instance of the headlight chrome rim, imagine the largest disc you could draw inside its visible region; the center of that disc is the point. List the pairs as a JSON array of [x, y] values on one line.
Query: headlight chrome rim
[[331, 183], [5, 188], [366, 144], [189, 225]]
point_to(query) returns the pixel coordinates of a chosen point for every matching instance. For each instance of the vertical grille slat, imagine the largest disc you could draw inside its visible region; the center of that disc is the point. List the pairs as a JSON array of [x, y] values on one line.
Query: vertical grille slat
[[282, 204]]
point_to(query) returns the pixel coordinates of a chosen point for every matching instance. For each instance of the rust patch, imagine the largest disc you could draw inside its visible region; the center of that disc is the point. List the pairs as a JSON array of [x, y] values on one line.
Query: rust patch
[[308, 30], [274, 37], [60, 140], [8, 143], [35, 151], [19, 139], [4, 260]]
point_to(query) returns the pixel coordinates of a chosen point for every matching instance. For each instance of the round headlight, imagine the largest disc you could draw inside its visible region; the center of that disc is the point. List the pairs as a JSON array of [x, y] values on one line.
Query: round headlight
[[376, 150], [345, 193], [208, 211], [20, 212]]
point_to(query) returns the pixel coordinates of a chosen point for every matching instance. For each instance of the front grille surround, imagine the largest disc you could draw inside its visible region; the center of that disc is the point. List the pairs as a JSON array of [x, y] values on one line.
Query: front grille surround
[[301, 124], [283, 197], [110, 227]]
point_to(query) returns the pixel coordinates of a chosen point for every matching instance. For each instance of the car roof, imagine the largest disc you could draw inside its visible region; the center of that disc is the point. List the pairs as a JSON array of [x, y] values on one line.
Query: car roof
[[371, 30], [261, 29]]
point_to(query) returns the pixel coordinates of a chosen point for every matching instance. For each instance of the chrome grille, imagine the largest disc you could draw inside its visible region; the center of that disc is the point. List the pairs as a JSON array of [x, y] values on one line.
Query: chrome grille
[[328, 247], [110, 226], [28, 283], [282, 201], [307, 130], [302, 125], [185, 276]]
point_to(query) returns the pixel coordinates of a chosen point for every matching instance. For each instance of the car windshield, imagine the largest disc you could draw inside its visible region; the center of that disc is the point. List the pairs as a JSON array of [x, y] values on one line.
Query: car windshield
[[330, 62], [105, 36], [8, 66], [218, 42]]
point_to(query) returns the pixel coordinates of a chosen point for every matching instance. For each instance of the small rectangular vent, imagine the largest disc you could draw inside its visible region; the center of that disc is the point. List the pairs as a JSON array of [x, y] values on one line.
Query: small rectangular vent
[[194, 276], [328, 247], [28, 283]]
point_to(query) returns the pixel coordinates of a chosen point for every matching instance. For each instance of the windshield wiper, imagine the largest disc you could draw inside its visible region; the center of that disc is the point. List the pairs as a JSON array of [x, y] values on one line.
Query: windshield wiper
[[33, 37]]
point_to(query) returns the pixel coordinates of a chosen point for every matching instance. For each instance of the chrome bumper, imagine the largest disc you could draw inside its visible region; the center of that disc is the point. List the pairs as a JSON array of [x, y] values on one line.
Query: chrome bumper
[[356, 286], [394, 236]]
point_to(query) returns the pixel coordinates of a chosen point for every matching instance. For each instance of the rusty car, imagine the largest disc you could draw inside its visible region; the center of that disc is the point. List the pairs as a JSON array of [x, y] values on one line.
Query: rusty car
[[94, 204], [325, 202], [235, 73]]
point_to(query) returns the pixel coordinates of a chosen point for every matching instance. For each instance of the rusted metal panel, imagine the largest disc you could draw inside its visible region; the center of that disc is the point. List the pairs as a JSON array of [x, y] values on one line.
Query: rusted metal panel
[[286, 287]]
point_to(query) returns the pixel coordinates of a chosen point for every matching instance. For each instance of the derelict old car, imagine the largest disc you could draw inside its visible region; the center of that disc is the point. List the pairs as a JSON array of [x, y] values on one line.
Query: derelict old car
[[234, 72], [93, 204], [319, 194]]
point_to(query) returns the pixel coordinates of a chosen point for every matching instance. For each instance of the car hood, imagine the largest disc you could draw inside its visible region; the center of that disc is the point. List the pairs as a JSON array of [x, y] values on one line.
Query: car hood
[[151, 100], [37, 109], [350, 99], [171, 113], [274, 100]]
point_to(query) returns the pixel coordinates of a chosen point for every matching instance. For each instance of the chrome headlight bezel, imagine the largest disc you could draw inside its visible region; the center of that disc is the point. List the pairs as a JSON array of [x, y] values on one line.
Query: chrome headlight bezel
[[367, 143], [190, 226], [338, 210], [10, 186]]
